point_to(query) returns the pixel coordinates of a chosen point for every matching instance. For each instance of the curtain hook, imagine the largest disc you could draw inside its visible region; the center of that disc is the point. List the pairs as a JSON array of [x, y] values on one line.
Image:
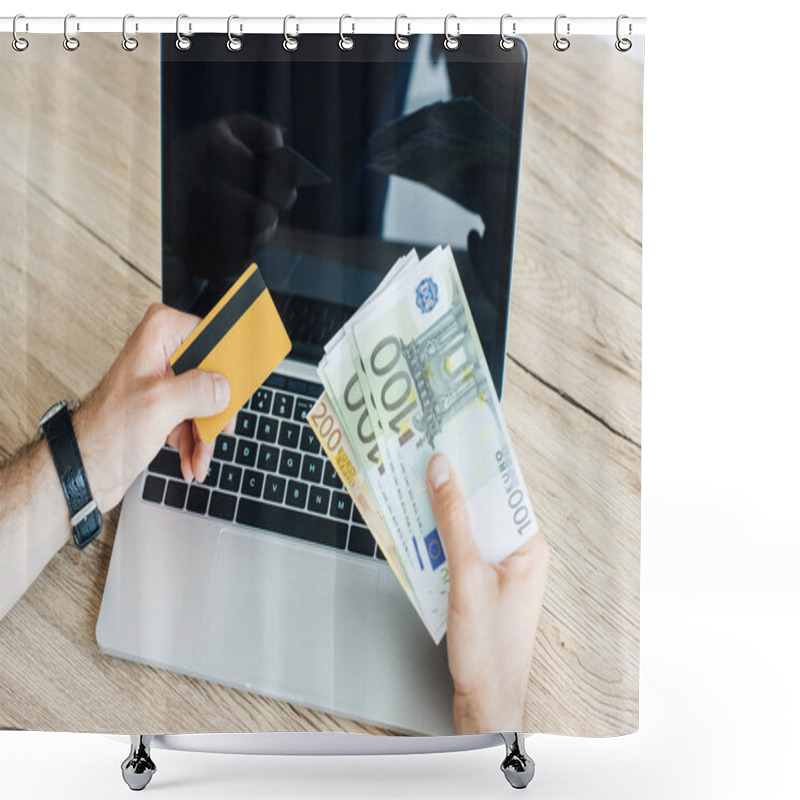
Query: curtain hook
[[561, 43], [289, 42], [505, 42], [129, 43], [451, 42], [623, 45], [182, 42], [70, 42], [18, 43], [401, 42], [234, 44], [346, 42]]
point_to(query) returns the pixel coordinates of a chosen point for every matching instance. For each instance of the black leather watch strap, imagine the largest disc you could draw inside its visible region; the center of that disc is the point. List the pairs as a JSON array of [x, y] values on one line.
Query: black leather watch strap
[[86, 519]]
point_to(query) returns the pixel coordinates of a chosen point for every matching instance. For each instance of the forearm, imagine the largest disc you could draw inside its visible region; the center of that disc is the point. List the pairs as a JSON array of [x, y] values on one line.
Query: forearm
[[34, 521]]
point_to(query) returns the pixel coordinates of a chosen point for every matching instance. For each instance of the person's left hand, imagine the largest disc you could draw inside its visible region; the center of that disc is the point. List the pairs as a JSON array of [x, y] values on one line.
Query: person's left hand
[[141, 403]]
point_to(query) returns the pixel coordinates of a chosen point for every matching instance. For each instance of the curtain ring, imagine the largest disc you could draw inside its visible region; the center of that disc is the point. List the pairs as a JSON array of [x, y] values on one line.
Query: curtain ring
[[346, 42], [18, 43], [623, 45], [70, 42], [401, 42], [234, 44], [451, 42], [129, 43], [289, 42], [505, 42], [561, 43], [182, 42]]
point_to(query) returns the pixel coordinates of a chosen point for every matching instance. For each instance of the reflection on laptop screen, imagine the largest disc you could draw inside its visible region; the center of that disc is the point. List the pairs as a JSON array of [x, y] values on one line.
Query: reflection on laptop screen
[[325, 166]]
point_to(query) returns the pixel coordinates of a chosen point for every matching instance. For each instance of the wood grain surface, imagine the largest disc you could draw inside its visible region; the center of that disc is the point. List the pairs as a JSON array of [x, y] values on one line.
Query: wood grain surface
[[80, 254]]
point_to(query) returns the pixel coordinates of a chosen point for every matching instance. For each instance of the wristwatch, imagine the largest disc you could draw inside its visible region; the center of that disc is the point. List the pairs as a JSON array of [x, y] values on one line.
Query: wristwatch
[[85, 516]]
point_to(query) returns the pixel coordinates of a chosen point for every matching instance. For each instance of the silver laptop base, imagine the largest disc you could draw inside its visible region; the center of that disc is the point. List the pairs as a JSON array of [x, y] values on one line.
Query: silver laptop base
[[138, 768]]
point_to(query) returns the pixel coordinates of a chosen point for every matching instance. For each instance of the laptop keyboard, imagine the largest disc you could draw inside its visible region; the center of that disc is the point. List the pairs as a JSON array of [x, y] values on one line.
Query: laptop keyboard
[[271, 475]]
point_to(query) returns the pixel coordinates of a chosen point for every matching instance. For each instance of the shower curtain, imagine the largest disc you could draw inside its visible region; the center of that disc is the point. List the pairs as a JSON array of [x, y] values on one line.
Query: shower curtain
[[103, 160]]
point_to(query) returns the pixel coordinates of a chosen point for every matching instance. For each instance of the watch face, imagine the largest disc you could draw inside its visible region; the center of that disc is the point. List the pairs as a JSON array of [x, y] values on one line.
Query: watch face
[[52, 411]]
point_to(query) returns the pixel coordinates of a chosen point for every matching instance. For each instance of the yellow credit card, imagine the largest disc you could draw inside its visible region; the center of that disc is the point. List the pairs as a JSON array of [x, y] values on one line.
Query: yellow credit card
[[243, 338]]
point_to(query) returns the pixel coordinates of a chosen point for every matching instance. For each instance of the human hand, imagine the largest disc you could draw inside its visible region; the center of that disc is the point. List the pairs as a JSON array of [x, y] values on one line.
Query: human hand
[[141, 403], [492, 614], [235, 180]]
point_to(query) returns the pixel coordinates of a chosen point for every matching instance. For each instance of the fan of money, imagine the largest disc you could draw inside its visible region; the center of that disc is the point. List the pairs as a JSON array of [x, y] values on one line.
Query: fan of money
[[405, 378]]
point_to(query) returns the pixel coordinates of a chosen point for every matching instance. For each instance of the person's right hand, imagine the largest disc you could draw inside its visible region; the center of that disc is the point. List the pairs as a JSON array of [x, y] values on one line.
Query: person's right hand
[[232, 178], [492, 614], [140, 403]]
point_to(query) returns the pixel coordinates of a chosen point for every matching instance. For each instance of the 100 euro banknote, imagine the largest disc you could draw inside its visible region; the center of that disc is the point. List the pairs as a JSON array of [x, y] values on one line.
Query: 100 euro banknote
[[405, 378], [433, 392]]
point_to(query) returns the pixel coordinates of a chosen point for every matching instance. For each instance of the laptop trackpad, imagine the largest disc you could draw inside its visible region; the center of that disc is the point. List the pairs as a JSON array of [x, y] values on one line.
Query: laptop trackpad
[[311, 625], [273, 611]]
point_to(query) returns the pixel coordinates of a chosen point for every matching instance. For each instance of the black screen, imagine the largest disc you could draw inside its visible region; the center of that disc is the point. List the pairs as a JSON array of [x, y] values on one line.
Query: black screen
[[325, 166]]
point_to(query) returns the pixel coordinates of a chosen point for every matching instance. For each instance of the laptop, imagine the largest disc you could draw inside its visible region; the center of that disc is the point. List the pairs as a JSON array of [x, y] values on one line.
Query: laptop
[[386, 150]]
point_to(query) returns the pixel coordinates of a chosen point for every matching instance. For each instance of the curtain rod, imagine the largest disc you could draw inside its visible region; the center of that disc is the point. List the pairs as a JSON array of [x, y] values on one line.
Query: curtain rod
[[456, 26]]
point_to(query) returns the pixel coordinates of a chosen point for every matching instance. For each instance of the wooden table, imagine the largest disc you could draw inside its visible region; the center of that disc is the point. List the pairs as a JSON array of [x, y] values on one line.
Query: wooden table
[[80, 261]]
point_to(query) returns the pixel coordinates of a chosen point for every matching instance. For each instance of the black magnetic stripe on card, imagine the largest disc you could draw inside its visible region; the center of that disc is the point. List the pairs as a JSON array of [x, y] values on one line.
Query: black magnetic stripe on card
[[226, 318]]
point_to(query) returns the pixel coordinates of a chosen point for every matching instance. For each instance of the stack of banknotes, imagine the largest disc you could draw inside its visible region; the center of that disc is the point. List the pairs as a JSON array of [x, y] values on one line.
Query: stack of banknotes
[[405, 378]]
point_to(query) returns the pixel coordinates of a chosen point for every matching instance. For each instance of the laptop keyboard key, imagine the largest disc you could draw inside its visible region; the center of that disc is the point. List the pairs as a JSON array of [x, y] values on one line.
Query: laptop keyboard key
[[230, 478], [224, 447], [168, 463], [289, 435], [357, 518], [312, 469], [340, 507], [308, 440], [318, 499], [212, 476], [301, 408], [296, 494], [361, 541], [282, 405], [260, 400], [222, 505], [267, 429], [253, 483], [290, 464], [153, 490], [198, 499], [379, 553], [176, 494], [246, 452], [276, 381], [297, 386], [289, 522], [268, 458], [330, 478], [274, 489], [246, 424]]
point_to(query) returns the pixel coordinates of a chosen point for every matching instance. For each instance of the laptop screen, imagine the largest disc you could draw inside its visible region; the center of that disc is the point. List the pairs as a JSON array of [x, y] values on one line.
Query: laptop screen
[[324, 166]]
